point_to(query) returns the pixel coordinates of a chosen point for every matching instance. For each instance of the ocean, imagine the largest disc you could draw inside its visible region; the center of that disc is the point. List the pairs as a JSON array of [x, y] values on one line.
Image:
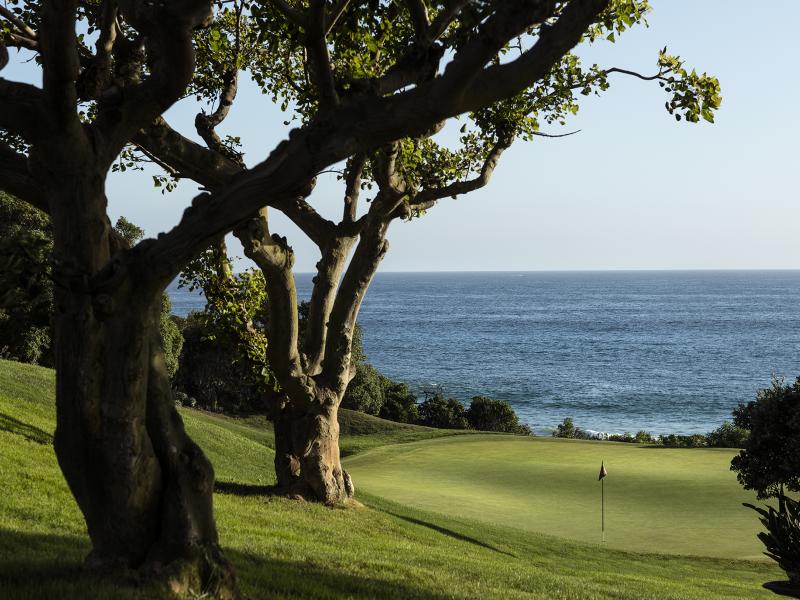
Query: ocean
[[662, 351]]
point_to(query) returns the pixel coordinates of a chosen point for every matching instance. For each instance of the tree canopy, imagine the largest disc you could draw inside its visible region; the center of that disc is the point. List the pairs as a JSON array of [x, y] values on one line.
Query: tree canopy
[[367, 85], [770, 459]]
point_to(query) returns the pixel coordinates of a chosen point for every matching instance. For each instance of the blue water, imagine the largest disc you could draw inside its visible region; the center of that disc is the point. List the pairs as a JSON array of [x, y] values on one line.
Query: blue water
[[616, 351]]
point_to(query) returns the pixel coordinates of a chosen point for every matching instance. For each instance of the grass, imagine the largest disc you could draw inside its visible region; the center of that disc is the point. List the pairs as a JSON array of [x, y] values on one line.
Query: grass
[[672, 500], [287, 549]]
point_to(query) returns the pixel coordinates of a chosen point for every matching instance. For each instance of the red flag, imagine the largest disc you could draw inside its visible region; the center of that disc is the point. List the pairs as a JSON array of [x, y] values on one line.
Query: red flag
[[603, 472]]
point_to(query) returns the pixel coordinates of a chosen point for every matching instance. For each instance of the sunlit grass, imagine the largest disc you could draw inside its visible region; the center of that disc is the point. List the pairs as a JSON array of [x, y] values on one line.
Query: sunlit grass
[[284, 548]]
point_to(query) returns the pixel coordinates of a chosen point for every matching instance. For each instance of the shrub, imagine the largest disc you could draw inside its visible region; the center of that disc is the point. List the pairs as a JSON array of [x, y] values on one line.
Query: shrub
[[212, 372], [171, 337], [365, 391], [727, 435], [26, 288], [696, 440], [444, 413], [782, 535], [488, 414], [399, 404], [567, 429], [770, 459]]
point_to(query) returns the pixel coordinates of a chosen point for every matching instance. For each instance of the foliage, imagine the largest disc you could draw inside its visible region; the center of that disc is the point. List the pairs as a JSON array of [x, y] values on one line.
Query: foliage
[[223, 366], [399, 403], [444, 413], [782, 535], [365, 391], [171, 337], [727, 435], [770, 458], [567, 429], [26, 288], [695, 440], [488, 414], [208, 376], [128, 231]]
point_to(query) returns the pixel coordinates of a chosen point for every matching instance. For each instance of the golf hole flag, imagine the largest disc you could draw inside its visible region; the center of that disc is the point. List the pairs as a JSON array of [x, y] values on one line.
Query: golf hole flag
[[602, 481]]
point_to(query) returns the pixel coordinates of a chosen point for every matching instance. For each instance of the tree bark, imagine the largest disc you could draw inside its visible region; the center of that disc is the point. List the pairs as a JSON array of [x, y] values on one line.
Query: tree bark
[[144, 488], [307, 460]]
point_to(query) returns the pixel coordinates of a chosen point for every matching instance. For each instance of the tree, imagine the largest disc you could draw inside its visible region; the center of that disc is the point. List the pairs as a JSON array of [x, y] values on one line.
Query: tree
[[143, 485], [770, 459], [488, 414], [338, 71], [26, 290], [128, 231]]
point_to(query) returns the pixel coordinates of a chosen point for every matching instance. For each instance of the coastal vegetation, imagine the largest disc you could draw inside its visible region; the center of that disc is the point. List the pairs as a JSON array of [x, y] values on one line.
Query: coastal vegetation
[[727, 435], [769, 463]]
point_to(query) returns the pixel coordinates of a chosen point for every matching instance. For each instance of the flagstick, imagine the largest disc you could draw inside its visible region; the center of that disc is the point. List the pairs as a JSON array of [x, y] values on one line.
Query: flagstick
[[603, 507]]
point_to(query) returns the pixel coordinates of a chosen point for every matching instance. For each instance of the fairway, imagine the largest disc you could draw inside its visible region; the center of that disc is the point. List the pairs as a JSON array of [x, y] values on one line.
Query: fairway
[[676, 501]]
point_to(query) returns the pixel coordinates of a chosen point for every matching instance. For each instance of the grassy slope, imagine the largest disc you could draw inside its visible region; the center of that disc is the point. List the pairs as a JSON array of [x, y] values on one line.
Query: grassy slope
[[288, 549], [682, 501]]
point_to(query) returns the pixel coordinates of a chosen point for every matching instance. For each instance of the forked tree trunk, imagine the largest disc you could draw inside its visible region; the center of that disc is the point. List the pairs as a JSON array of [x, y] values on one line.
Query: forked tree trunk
[[144, 488], [307, 461]]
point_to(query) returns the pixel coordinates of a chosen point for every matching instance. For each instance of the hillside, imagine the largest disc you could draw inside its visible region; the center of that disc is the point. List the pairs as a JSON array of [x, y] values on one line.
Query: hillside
[[287, 549]]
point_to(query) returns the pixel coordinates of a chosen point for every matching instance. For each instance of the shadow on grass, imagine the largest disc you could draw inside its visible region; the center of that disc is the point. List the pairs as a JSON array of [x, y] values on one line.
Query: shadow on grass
[[45, 566], [29, 432], [49, 566], [245, 489], [263, 577], [448, 532], [658, 447]]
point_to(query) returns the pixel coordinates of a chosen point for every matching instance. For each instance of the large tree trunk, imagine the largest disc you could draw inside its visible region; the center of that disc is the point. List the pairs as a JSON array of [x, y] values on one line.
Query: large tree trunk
[[145, 489], [307, 461]]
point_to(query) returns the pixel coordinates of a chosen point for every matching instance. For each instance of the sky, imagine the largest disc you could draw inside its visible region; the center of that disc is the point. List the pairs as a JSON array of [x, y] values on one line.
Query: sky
[[633, 189]]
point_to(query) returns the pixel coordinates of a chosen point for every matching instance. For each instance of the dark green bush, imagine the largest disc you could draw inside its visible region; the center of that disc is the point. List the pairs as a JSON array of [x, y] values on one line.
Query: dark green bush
[[782, 535], [770, 458], [489, 414], [211, 372], [444, 413], [171, 337], [696, 440], [567, 429], [26, 289], [399, 404], [365, 391], [727, 435]]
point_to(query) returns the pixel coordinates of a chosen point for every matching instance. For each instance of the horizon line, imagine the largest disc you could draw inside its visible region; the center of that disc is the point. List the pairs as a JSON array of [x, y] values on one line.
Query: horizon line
[[600, 270]]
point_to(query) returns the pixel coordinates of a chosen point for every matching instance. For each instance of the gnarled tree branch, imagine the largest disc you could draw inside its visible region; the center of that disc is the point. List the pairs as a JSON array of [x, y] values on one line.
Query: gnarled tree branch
[[16, 179], [428, 197], [365, 124]]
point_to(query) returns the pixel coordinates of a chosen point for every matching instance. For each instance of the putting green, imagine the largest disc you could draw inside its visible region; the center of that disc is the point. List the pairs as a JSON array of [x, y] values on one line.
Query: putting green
[[674, 501]]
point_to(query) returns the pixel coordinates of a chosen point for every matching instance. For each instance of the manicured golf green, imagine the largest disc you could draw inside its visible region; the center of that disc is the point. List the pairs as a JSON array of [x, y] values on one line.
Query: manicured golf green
[[678, 501]]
